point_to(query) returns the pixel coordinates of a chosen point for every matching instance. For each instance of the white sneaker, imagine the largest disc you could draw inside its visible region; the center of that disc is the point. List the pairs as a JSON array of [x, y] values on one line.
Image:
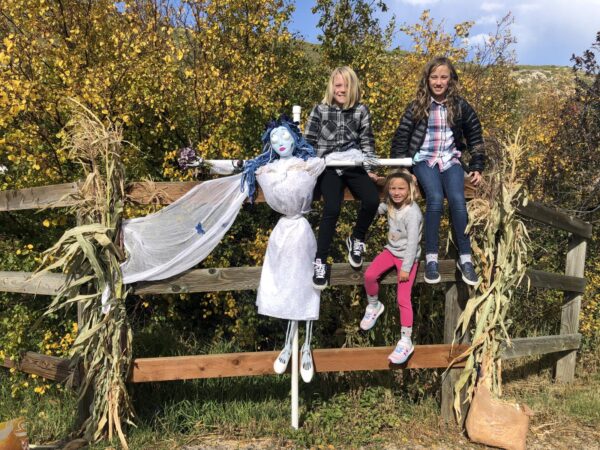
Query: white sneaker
[[372, 313], [402, 352], [283, 359], [307, 368]]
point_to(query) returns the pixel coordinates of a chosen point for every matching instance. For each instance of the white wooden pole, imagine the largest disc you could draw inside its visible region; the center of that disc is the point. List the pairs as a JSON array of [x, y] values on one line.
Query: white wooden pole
[[295, 414], [396, 162], [229, 166], [296, 110]]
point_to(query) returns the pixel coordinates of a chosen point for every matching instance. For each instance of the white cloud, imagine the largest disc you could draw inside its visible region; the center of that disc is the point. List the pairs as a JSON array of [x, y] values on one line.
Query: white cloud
[[526, 8], [487, 20], [547, 31], [478, 39], [555, 29], [490, 6], [419, 2]]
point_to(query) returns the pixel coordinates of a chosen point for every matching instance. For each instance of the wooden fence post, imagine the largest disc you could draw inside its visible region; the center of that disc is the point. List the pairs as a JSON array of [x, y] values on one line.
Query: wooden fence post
[[456, 299], [569, 323]]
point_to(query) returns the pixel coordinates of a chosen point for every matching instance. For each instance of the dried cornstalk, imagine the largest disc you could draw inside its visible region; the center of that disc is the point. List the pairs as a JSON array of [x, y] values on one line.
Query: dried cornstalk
[[500, 248], [90, 256]]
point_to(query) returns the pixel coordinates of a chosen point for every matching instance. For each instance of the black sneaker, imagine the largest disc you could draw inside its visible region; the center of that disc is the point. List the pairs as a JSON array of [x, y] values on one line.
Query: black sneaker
[[321, 274], [355, 250], [468, 273], [432, 273]]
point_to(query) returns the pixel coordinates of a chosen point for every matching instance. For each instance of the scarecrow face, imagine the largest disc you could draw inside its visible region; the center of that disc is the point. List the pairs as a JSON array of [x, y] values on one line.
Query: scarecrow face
[[282, 142]]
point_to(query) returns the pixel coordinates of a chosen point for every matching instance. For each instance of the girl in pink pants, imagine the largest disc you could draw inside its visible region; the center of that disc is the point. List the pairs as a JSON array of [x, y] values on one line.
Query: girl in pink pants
[[401, 252]]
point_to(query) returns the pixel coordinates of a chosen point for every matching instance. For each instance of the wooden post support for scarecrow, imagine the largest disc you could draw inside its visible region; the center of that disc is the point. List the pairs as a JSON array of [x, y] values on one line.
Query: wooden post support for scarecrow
[[569, 323], [296, 110], [295, 365]]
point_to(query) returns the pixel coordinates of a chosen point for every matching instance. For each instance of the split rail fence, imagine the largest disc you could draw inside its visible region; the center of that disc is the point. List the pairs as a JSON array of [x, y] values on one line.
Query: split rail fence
[[565, 344]]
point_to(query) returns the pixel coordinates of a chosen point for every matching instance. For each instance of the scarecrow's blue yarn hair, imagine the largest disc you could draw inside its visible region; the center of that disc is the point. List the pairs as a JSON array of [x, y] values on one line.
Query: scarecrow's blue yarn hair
[[302, 149]]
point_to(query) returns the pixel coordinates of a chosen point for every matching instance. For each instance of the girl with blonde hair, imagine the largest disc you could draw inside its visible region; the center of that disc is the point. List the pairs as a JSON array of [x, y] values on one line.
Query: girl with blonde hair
[[340, 128], [401, 252]]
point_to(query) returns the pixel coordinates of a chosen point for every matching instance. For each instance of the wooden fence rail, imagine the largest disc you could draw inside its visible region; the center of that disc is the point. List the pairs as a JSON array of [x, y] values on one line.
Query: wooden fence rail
[[171, 368], [247, 278]]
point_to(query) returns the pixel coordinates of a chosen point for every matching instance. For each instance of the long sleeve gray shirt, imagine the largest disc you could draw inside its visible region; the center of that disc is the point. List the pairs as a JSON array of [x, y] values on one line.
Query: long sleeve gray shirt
[[405, 232]]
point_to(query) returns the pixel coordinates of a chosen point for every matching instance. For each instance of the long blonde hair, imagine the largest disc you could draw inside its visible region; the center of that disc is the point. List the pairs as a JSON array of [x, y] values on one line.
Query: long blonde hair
[[422, 101], [353, 91], [413, 192]]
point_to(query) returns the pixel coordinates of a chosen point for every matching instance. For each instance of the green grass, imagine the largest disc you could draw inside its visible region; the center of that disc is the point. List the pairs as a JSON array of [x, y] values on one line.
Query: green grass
[[260, 407], [362, 409], [49, 416], [579, 401], [246, 409]]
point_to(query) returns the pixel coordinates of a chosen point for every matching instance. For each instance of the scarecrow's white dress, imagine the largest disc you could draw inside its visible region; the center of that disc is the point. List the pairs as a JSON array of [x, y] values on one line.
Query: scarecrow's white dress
[[285, 290]]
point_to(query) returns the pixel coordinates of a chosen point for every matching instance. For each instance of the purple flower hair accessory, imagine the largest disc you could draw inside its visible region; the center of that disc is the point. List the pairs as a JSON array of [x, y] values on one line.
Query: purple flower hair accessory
[[187, 158]]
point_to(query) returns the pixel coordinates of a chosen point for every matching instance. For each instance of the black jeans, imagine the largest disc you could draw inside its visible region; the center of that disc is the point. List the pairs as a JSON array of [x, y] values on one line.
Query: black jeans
[[332, 186]]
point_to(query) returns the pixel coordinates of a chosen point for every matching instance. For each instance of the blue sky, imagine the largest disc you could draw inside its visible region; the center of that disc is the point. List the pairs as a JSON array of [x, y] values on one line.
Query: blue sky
[[547, 31]]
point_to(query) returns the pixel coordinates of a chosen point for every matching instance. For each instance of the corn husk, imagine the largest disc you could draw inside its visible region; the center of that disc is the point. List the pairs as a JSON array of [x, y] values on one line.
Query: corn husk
[[500, 248], [90, 256]]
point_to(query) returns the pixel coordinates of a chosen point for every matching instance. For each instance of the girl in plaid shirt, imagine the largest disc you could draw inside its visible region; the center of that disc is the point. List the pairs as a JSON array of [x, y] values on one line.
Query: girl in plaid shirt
[[436, 128], [342, 124]]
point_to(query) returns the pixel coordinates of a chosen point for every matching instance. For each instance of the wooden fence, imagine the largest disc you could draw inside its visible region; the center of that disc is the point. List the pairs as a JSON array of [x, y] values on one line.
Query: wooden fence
[[572, 283]]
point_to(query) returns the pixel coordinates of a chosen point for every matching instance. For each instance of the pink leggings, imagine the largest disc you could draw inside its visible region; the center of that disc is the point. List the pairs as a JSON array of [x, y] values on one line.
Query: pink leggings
[[380, 265]]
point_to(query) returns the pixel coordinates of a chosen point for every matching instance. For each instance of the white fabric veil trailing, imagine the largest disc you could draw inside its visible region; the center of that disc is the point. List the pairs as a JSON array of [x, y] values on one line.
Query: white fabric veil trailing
[[179, 236]]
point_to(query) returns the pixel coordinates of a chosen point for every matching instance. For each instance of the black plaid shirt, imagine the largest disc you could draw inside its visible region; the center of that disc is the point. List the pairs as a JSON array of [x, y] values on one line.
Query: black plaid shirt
[[330, 129]]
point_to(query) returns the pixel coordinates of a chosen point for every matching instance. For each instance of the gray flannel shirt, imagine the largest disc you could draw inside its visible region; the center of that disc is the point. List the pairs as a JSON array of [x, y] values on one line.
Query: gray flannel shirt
[[332, 129]]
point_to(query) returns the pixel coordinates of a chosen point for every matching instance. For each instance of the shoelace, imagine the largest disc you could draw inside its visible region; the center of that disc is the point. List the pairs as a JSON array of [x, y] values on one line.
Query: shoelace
[[401, 348], [319, 269], [358, 247], [372, 314]]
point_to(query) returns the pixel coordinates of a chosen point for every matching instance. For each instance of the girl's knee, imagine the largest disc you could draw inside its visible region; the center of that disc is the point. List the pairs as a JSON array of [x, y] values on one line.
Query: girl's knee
[[456, 202], [435, 200], [371, 276], [371, 204], [332, 209]]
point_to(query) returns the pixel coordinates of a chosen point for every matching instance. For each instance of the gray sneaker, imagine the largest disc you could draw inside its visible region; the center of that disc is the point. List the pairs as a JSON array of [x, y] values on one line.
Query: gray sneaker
[[432, 273], [468, 273]]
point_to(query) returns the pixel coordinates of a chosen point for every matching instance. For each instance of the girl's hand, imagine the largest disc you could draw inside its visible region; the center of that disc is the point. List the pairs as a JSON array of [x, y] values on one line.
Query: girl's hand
[[403, 276], [373, 176], [475, 178]]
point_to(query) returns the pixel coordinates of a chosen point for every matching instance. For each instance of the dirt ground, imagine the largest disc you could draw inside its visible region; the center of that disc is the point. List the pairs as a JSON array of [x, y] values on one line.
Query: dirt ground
[[567, 436]]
